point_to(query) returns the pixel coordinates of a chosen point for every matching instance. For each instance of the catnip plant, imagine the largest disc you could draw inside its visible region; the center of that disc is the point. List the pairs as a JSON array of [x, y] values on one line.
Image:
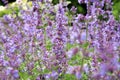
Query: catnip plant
[[50, 42]]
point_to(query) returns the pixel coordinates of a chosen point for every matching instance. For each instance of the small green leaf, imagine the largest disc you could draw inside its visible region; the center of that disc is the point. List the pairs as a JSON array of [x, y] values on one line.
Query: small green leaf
[[69, 77], [85, 45]]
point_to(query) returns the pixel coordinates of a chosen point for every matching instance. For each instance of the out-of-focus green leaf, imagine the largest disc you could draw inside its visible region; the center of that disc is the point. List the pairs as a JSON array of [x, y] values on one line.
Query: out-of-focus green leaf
[[69, 77], [116, 10]]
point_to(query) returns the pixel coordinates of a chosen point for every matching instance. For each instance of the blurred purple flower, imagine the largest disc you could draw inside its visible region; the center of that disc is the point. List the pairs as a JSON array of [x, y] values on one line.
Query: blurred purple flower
[[15, 74]]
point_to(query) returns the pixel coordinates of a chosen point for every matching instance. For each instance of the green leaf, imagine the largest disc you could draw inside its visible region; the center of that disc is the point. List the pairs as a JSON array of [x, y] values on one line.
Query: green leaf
[[69, 46], [24, 75], [76, 60], [85, 45], [69, 77], [84, 76], [48, 45]]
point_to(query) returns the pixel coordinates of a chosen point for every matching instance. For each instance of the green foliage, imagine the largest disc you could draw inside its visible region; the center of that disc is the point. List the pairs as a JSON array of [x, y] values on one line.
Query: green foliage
[[22, 72], [55, 2], [116, 9], [69, 77], [84, 76], [4, 12], [76, 60], [9, 11], [85, 45], [70, 46], [0, 3], [48, 45]]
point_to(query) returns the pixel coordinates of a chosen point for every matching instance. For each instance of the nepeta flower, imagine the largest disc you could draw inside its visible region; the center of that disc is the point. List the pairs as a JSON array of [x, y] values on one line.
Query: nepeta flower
[[15, 74]]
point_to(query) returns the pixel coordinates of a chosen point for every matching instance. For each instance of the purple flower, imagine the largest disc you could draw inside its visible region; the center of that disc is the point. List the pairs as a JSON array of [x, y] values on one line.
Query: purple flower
[[5, 1], [15, 74], [54, 74], [78, 75], [103, 69]]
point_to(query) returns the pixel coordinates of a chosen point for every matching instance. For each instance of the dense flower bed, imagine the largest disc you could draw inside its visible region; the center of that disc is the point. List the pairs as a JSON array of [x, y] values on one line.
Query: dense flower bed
[[46, 42]]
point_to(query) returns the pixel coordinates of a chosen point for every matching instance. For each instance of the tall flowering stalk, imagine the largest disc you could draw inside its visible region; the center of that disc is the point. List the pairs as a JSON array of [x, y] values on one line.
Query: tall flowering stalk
[[103, 36], [60, 38]]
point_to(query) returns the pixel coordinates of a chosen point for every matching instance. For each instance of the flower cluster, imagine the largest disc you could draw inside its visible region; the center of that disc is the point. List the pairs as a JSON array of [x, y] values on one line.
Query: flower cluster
[[48, 42]]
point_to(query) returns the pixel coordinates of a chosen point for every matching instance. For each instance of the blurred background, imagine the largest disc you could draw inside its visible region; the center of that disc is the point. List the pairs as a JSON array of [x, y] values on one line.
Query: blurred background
[[12, 5]]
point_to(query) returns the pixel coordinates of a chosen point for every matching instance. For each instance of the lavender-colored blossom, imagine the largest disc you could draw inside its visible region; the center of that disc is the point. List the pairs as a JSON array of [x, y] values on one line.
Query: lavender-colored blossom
[[78, 75], [15, 74], [24, 39], [5, 1]]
